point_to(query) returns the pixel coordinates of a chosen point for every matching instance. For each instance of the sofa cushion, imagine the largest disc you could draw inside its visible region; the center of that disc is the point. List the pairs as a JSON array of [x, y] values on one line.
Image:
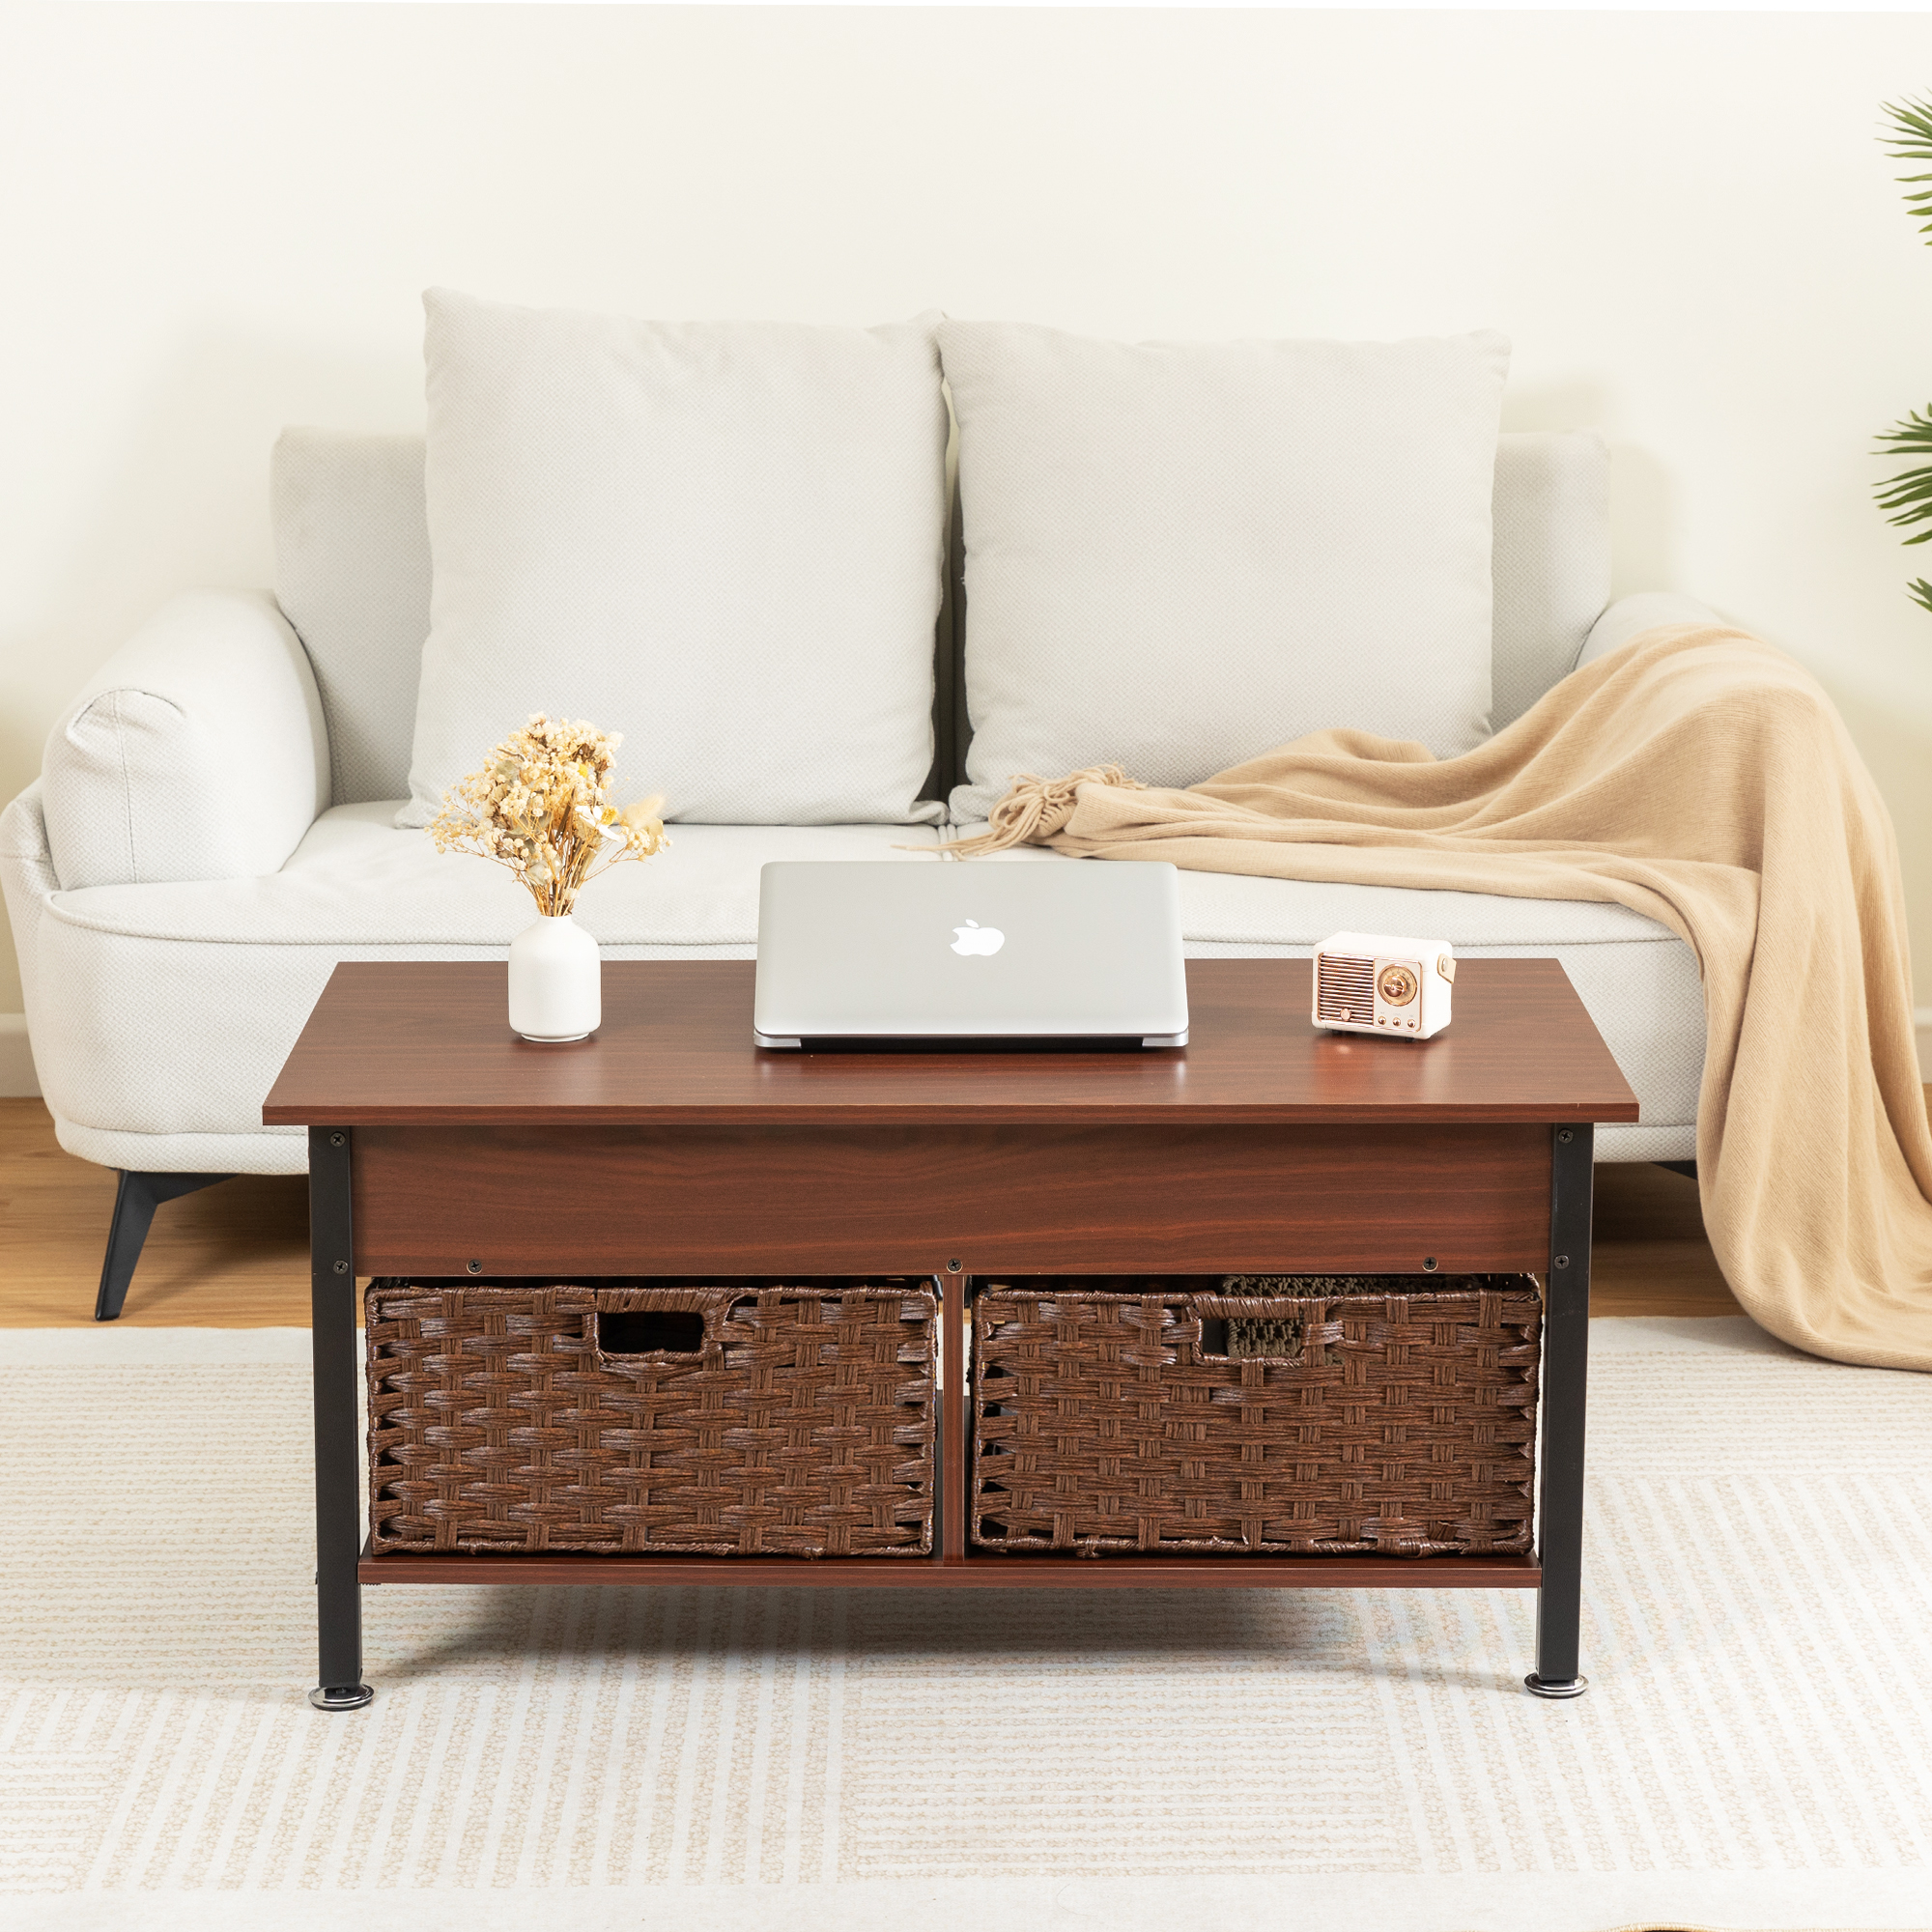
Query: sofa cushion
[[1180, 555], [359, 880], [723, 539], [1549, 561], [162, 1013], [352, 570], [352, 575]]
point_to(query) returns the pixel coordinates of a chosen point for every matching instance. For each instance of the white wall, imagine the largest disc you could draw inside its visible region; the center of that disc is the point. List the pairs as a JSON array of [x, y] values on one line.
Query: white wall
[[214, 221]]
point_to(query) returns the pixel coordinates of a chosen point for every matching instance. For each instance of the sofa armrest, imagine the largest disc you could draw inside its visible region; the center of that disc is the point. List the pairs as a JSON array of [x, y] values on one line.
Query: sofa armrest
[[198, 751], [1642, 610], [26, 879]]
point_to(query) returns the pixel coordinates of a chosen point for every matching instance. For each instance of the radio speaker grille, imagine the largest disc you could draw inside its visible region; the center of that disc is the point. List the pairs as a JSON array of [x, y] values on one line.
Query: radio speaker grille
[[1345, 987]]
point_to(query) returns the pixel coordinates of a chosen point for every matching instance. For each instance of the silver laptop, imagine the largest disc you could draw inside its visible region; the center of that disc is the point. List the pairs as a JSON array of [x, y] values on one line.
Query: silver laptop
[[965, 954]]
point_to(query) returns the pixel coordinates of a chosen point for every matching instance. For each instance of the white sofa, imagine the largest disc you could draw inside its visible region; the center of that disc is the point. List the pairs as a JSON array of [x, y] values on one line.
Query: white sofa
[[171, 945]]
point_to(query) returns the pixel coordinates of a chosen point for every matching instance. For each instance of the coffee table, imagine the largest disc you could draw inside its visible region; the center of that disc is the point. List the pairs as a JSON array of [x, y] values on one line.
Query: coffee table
[[437, 1142]]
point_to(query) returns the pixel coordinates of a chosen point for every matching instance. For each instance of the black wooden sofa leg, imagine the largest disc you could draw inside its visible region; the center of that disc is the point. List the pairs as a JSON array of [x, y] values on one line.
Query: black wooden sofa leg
[[135, 1200]]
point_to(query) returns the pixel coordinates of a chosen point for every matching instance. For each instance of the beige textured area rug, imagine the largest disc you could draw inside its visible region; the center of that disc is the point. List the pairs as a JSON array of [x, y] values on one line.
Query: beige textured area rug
[[1755, 1749]]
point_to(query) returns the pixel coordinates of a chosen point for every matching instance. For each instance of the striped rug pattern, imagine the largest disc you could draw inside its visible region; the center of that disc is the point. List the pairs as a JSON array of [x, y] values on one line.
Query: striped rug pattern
[[1758, 1635]]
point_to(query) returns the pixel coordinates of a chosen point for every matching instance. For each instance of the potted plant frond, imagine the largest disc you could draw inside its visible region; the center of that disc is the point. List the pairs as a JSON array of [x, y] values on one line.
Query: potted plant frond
[[1906, 499]]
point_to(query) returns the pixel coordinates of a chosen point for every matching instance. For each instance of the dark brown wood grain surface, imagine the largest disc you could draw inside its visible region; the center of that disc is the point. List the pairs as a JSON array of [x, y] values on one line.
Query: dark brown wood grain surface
[[1177, 1197], [428, 1043]]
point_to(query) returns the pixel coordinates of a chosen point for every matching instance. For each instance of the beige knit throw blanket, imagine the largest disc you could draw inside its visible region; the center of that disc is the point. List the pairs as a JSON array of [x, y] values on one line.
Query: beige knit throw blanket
[[1704, 779]]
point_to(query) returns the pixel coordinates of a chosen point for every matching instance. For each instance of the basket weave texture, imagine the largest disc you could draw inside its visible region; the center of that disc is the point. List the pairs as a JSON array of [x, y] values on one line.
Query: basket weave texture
[[1402, 1424], [801, 1425]]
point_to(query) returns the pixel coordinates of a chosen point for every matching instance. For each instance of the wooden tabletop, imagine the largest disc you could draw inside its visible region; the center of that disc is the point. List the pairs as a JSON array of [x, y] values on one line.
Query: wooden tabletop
[[428, 1043]]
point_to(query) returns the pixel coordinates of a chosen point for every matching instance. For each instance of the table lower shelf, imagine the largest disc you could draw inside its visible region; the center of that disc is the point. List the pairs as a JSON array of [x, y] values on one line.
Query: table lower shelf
[[976, 1572]]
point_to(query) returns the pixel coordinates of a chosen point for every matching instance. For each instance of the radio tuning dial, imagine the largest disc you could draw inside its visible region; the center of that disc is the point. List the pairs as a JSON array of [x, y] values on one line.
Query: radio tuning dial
[[1396, 985]]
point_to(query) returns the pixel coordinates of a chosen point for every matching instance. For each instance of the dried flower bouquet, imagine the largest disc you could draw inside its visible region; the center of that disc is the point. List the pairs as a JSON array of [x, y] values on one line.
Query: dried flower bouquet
[[542, 807]]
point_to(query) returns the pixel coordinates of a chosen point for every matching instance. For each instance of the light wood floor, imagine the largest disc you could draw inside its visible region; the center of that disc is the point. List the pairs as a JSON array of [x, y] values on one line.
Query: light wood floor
[[236, 1255]]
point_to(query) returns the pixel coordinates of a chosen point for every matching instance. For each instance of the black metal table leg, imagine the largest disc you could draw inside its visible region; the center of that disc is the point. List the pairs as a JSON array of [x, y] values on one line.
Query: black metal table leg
[[338, 1512], [1566, 1362]]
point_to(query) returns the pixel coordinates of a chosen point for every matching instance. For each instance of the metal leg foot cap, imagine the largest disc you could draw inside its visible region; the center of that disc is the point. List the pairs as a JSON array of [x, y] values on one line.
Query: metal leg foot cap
[[341, 1697], [1568, 1687]]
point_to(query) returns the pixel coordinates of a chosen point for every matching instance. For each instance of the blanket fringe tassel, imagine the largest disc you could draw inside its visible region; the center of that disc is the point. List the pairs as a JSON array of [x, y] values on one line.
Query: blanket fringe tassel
[[1033, 808]]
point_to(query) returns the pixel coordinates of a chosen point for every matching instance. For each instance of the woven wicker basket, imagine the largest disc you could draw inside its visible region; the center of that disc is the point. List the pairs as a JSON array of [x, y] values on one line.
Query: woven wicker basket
[[1182, 1418], [714, 1420]]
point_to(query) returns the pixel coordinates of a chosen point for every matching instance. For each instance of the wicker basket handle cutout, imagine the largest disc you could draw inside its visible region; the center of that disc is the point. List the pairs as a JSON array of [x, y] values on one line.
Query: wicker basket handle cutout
[[629, 1324], [1234, 1327]]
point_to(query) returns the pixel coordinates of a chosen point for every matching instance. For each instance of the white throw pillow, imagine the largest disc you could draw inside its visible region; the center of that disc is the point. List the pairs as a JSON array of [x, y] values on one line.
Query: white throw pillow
[[724, 540], [1179, 556]]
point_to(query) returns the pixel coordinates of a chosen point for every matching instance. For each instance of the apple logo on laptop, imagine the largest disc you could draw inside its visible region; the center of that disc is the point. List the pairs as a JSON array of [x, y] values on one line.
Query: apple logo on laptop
[[974, 938]]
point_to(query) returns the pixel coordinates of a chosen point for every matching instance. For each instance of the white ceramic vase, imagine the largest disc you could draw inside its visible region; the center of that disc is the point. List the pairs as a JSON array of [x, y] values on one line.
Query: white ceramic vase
[[556, 989]]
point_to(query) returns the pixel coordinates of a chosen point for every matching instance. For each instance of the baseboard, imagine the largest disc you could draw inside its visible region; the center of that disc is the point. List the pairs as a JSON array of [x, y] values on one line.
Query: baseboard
[[16, 1058]]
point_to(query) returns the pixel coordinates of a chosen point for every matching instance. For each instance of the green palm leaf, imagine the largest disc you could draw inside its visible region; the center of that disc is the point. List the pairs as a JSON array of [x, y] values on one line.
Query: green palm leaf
[[1909, 139], [1907, 497]]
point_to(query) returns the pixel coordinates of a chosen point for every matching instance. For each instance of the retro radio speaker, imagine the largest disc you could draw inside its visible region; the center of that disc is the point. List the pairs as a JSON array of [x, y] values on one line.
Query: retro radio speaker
[[1374, 982]]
